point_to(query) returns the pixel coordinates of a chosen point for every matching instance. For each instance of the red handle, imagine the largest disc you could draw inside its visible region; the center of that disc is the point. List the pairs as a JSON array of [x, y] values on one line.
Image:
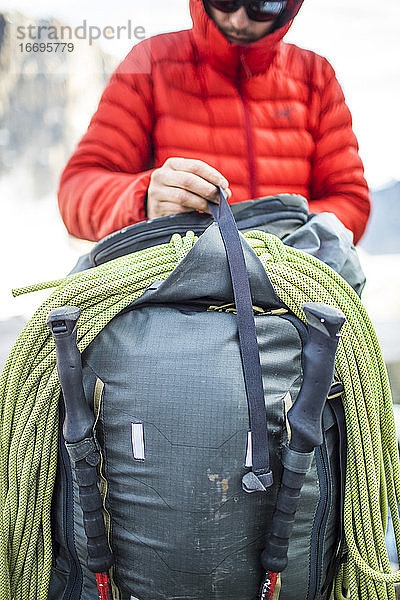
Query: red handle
[[104, 586]]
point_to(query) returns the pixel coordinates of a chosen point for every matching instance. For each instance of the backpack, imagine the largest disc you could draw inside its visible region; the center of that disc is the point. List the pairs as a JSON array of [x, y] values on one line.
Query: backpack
[[163, 376]]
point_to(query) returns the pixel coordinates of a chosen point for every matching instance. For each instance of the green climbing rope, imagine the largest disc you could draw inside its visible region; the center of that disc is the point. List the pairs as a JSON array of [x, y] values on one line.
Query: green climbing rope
[[29, 391]]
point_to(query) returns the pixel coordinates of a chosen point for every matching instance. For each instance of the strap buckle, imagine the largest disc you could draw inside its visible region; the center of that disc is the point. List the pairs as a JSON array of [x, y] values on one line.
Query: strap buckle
[[257, 482]]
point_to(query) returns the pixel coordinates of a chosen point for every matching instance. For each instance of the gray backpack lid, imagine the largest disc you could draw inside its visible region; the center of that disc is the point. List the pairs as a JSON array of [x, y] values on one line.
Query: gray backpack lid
[[204, 274], [326, 238]]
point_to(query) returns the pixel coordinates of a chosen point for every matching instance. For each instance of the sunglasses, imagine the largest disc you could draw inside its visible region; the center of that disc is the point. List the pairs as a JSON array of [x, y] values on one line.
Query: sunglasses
[[257, 10]]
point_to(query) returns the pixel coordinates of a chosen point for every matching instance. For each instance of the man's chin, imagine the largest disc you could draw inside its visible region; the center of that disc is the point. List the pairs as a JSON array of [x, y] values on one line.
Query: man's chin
[[238, 40]]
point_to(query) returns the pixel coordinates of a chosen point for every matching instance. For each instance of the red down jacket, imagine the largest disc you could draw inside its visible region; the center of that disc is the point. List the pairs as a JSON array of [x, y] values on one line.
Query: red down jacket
[[271, 117]]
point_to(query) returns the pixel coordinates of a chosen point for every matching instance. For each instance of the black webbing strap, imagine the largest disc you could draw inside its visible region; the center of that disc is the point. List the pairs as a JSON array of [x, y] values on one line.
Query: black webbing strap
[[261, 476]]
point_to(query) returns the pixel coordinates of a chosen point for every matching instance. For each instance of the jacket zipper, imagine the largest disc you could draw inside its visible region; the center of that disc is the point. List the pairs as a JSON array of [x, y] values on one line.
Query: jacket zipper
[[249, 137], [109, 252]]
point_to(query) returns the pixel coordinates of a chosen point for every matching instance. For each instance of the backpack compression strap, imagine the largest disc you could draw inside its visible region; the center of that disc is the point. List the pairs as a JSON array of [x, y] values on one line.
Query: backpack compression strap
[[260, 478]]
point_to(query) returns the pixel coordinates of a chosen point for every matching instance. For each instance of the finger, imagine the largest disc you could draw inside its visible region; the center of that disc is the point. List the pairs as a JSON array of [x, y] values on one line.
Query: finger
[[200, 168], [190, 183], [165, 209], [215, 197], [173, 201], [185, 198]]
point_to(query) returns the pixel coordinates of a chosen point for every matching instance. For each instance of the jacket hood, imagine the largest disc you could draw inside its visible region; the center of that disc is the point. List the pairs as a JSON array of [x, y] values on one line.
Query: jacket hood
[[227, 57]]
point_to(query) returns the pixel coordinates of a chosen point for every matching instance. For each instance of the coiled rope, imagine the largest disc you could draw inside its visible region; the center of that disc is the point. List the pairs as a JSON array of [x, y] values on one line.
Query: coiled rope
[[29, 391]]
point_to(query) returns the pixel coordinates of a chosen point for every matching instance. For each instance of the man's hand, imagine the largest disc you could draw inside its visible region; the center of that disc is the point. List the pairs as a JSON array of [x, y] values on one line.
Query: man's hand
[[182, 185]]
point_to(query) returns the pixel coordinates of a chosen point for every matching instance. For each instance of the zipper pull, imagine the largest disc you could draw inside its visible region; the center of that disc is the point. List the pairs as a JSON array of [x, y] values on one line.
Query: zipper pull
[[245, 66]]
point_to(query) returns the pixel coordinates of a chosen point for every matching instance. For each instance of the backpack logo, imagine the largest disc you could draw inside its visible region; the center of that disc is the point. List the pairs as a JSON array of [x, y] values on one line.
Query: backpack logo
[[284, 113]]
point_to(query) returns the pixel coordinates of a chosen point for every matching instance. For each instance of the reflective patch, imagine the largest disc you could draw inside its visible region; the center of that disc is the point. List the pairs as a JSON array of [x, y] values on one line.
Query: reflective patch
[[138, 444], [134, 598], [288, 405], [249, 453]]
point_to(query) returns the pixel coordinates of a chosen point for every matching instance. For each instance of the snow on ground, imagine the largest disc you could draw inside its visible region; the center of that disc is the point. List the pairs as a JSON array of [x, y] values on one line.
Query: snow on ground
[[34, 246], [381, 298]]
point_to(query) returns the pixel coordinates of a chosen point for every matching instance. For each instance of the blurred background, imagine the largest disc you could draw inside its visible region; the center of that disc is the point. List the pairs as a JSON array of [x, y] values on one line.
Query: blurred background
[[47, 99]]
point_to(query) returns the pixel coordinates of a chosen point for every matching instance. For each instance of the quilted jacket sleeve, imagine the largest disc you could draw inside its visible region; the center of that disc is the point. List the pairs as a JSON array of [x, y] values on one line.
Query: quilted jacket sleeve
[[103, 186], [337, 181]]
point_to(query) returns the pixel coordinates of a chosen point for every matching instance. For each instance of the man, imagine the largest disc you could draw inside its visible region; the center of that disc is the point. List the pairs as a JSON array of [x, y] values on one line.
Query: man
[[226, 102]]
